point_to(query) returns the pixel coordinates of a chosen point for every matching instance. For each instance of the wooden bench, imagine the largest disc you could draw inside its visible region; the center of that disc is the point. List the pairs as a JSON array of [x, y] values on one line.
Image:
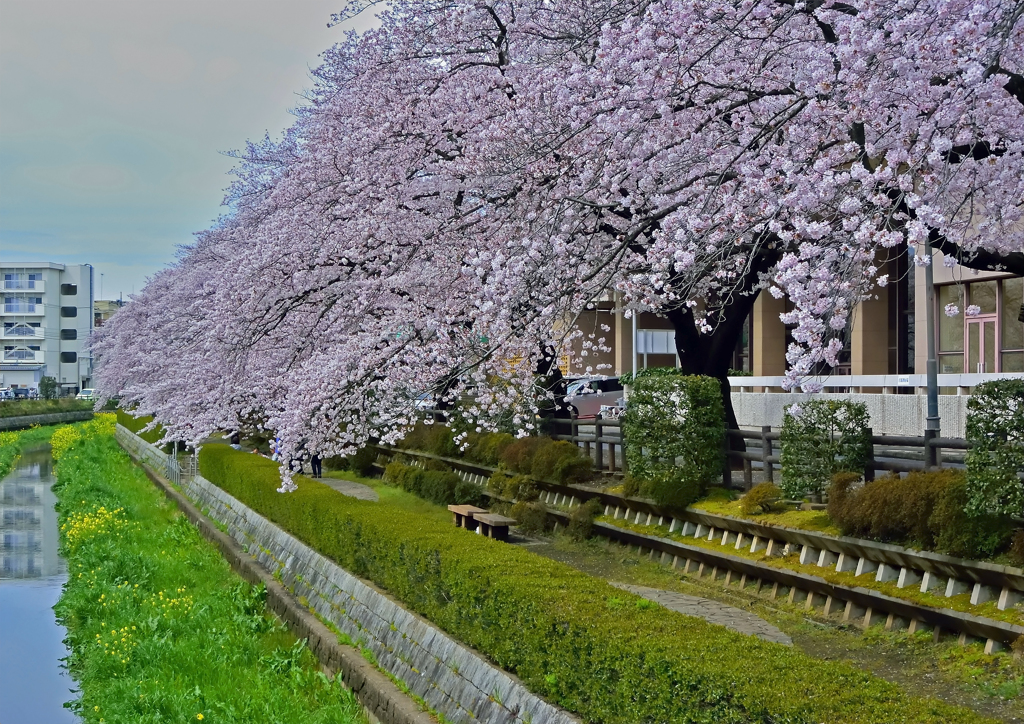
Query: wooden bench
[[462, 515], [493, 525]]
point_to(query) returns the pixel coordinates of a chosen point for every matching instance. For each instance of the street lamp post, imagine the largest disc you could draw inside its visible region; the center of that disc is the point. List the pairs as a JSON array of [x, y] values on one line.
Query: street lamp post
[[931, 430]]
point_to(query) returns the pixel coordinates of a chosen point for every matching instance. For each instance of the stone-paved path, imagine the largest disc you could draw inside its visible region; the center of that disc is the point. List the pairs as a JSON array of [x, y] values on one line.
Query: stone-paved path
[[352, 490], [711, 611]]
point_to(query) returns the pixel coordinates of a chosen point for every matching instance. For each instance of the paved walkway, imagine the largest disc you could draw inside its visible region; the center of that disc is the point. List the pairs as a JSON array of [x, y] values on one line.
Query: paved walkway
[[352, 490], [711, 611]]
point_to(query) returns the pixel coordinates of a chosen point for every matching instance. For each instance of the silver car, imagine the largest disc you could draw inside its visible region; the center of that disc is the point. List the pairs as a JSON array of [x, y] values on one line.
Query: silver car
[[586, 396]]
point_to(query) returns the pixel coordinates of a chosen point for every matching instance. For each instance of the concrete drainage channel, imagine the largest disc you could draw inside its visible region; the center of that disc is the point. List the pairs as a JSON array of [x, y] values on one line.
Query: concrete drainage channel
[[922, 570]]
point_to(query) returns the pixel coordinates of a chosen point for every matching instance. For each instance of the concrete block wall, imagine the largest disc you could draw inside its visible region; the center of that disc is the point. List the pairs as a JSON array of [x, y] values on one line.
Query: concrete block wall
[[138, 448], [890, 414], [450, 677]]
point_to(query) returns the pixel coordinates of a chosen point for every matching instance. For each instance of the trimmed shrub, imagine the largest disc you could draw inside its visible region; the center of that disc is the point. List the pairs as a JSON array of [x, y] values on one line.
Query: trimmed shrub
[[438, 486], [995, 429], [434, 439], [759, 498], [487, 448], [671, 416], [924, 509], [820, 438], [547, 459], [531, 517], [581, 519], [512, 487], [552, 626], [361, 463]]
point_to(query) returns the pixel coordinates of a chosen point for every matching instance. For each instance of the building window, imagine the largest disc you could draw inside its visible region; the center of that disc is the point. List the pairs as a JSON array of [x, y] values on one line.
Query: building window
[[990, 341], [68, 334], [69, 311], [69, 290], [68, 357]]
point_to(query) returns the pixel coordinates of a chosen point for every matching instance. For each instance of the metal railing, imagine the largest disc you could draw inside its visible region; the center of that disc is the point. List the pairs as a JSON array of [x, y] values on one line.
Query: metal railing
[[23, 284], [23, 308]]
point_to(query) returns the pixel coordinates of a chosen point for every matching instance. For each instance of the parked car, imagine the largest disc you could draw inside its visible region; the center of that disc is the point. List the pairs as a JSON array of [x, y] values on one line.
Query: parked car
[[86, 394], [587, 395], [6, 393]]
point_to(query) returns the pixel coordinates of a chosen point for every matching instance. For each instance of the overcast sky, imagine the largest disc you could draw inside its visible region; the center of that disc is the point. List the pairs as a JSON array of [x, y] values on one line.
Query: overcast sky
[[114, 115]]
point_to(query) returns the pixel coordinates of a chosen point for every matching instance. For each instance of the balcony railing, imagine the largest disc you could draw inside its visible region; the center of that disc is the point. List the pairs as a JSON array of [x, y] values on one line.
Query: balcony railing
[[22, 355], [23, 285], [22, 330], [23, 308]]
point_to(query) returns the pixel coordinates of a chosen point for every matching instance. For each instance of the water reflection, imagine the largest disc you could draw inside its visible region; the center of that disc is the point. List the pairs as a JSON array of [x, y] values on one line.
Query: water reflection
[[33, 686]]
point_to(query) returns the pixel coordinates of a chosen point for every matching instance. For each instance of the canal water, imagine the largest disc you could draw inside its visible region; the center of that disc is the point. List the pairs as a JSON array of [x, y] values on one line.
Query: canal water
[[33, 686]]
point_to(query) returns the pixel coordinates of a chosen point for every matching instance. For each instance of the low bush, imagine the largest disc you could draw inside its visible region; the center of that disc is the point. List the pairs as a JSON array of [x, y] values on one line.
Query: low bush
[[581, 519], [531, 517], [547, 459], [924, 509], [759, 498], [551, 626], [674, 432], [1017, 547], [487, 448], [820, 438], [513, 487], [438, 486], [434, 439]]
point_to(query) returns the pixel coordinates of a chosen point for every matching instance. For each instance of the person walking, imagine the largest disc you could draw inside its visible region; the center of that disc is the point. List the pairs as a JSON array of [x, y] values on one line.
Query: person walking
[[315, 463]]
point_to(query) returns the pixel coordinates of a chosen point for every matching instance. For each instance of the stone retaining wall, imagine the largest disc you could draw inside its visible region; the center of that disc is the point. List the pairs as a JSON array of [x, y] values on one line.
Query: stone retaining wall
[[450, 677], [54, 418]]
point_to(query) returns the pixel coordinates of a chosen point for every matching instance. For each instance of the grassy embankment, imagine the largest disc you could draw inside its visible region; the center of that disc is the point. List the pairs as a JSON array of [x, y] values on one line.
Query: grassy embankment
[[159, 627], [609, 656], [19, 408]]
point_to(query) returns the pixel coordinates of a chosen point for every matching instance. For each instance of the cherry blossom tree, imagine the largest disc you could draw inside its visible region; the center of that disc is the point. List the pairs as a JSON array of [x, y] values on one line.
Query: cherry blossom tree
[[468, 177]]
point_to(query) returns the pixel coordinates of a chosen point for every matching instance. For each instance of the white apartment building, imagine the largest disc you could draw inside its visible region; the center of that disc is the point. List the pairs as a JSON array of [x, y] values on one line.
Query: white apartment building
[[47, 316]]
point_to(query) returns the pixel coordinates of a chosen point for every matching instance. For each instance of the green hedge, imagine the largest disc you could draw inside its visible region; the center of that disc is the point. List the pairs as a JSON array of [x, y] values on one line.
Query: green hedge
[[135, 424], [20, 408], [995, 429], [557, 629], [671, 416], [438, 486], [925, 510], [820, 438]]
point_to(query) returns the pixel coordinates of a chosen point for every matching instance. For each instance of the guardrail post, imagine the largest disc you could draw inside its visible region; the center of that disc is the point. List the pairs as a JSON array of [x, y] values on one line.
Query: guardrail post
[[931, 452], [869, 464], [767, 466], [599, 452]]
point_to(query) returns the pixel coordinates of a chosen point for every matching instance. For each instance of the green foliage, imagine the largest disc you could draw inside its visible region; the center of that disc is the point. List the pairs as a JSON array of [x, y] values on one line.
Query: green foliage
[[581, 519], [136, 425], [995, 429], [23, 408], [759, 498], [822, 438], [550, 625], [438, 486], [670, 417], [513, 487], [923, 509], [48, 387], [434, 438], [547, 459], [487, 448], [531, 517], [158, 627]]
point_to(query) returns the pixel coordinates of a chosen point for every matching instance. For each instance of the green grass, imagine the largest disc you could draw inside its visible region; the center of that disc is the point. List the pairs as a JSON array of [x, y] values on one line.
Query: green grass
[[159, 628], [722, 502], [396, 498], [19, 408]]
